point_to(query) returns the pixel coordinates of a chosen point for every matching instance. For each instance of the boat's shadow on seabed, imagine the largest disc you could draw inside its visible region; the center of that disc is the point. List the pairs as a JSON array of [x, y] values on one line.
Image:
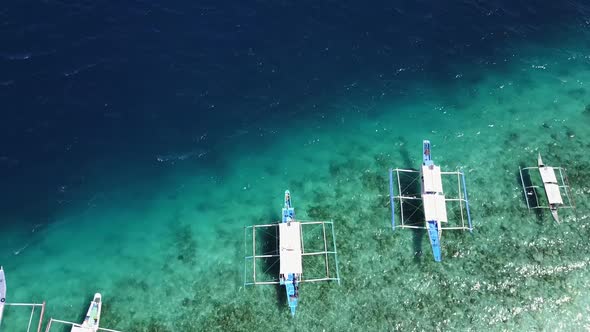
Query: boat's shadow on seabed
[[272, 266], [529, 195], [413, 213]]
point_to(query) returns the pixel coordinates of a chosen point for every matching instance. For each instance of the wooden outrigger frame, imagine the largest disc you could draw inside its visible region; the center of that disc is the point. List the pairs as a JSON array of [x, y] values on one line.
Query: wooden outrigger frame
[[252, 258]]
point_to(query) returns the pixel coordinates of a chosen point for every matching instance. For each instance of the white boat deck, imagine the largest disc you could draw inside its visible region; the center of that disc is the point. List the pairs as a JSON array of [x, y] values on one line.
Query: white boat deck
[[290, 248], [435, 207], [548, 174], [432, 179], [551, 185], [553, 193]]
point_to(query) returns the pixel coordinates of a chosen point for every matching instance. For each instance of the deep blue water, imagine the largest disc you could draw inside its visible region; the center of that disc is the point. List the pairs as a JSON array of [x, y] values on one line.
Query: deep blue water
[[83, 81]]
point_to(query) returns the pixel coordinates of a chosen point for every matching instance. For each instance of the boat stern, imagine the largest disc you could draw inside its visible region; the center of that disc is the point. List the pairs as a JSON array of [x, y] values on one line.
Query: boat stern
[[434, 233], [292, 290], [554, 214], [293, 306]]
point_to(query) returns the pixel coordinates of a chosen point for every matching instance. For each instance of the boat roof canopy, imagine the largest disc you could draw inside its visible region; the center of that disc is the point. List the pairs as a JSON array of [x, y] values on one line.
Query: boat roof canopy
[[548, 174], [553, 193], [435, 208], [551, 185], [432, 179]]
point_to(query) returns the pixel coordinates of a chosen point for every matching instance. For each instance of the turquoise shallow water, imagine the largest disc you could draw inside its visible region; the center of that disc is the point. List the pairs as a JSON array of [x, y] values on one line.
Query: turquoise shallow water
[[163, 242]]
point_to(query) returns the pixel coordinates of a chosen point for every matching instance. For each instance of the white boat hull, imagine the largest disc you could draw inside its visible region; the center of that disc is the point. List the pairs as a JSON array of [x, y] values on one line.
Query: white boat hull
[[2, 292], [92, 319]]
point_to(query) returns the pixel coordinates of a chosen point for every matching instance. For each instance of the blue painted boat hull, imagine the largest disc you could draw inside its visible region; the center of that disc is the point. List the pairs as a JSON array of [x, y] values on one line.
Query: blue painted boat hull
[[426, 153], [434, 234], [292, 290], [288, 210]]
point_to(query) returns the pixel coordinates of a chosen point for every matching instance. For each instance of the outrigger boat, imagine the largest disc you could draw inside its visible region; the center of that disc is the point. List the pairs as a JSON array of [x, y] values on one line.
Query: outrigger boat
[[552, 186], [92, 319], [290, 253], [432, 199]]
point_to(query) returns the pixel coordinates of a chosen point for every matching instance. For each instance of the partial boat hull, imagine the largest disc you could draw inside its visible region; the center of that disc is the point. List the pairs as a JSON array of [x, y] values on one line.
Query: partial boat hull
[[434, 233], [92, 319], [426, 156], [540, 161], [288, 211], [292, 289], [2, 292]]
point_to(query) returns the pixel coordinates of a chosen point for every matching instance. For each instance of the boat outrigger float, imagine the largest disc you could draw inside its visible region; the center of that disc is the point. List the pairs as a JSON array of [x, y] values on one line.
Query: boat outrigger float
[[430, 201], [552, 185], [289, 251]]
